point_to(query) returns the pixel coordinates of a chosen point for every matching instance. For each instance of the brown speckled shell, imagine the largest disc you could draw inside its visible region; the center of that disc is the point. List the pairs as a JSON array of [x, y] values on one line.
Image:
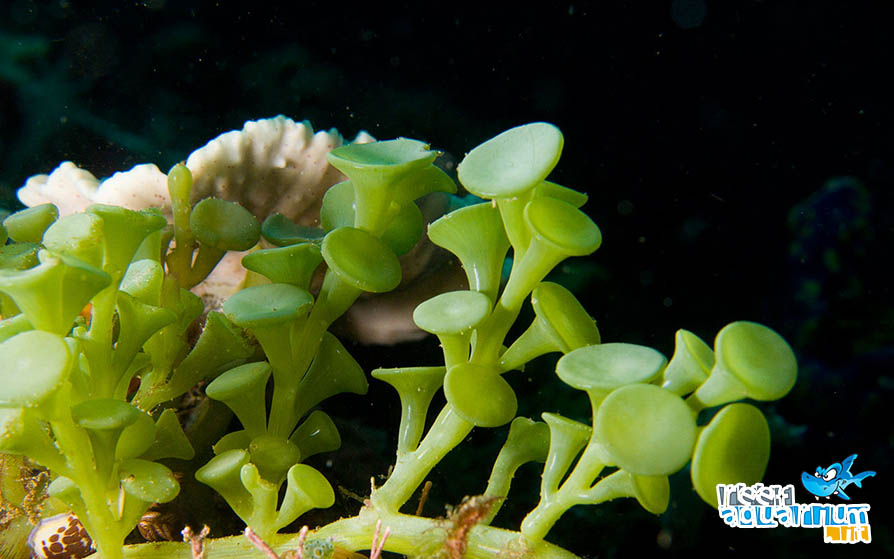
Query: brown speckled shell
[[60, 537]]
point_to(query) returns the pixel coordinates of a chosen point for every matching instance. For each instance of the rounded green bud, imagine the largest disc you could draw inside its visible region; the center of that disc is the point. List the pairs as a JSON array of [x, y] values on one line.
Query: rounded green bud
[[266, 305], [513, 162], [148, 481], [361, 260], [36, 363], [179, 183], [602, 368], [645, 430], [733, 448], [562, 226], [224, 225], [752, 361], [454, 312], [281, 231], [690, 365], [562, 324], [480, 395], [316, 434], [104, 414]]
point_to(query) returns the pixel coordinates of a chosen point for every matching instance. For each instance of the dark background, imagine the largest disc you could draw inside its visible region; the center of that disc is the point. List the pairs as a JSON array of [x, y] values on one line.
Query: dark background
[[739, 158]]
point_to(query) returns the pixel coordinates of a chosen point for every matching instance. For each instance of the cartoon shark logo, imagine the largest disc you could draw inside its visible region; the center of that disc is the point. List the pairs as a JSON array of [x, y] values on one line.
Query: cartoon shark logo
[[833, 480]]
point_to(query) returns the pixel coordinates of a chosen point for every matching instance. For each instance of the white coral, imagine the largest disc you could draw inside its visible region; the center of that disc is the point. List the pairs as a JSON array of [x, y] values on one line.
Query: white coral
[[271, 165], [69, 187]]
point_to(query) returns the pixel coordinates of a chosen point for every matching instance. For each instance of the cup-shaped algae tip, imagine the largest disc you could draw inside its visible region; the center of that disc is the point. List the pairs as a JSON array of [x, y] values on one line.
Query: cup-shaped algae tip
[[104, 414], [651, 492], [294, 264], [454, 312], [306, 489], [480, 395], [169, 441], [267, 305], [690, 364], [361, 260], [416, 386], [124, 231], [224, 225], [381, 161], [512, 162], [733, 448], [557, 230], [562, 226], [66, 490], [136, 438], [316, 434], [333, 371], [561, 324], [599, 369], [223, 474], [54, 292], [751, 361], [377, 171], [242, 389], [280, 231], [22, 433], [35, 363], [475, 234], [269, 311], [645, 430], [273, 457], [528, 441], [149, 482], [143, 281], [566, 439], [402, 232], [105, 419], [79, 235], [28, 225]]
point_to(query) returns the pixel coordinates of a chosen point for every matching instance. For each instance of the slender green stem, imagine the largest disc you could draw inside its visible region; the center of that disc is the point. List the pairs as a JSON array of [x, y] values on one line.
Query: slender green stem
[[98, 344], [456, 348], [409, 535], [552, 506], [490, 335], [411, 469], [104, 527]]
